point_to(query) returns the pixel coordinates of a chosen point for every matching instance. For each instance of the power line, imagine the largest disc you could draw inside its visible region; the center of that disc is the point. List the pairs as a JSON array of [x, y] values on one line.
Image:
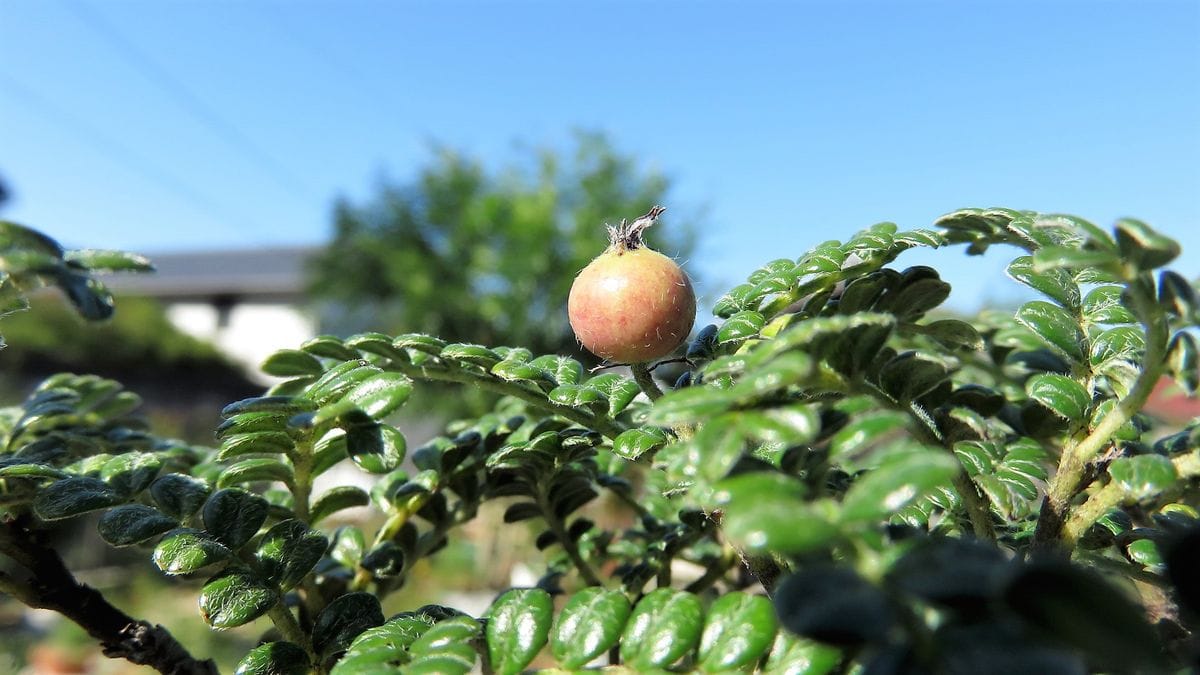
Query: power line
[[183, 97], [122, 154]]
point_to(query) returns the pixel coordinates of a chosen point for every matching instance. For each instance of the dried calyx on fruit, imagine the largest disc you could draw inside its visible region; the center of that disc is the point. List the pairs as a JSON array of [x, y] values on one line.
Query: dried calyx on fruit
[[632, 304]]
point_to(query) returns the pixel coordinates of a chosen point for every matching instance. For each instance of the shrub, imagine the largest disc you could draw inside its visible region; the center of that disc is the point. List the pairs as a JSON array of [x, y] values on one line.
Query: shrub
[[838, 481]]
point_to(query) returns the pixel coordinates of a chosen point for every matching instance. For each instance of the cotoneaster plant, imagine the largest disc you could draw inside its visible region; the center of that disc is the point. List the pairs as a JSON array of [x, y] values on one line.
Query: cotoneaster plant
[[843, 481]]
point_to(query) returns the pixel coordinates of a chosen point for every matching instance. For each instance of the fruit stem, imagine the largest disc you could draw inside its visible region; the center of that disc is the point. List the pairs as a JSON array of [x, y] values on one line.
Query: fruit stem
[[628, 236], [645, 381]]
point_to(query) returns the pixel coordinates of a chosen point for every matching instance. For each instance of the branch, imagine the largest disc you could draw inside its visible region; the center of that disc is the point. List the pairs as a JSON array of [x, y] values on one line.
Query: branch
[[645, 381], [52, 586]]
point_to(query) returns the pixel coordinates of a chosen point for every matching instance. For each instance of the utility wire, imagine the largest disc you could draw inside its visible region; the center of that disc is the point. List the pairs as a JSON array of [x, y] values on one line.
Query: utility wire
[[183, 97], [122, 154]]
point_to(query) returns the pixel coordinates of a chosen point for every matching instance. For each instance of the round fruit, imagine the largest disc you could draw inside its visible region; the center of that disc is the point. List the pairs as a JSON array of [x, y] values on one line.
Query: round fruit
[[632, 304]]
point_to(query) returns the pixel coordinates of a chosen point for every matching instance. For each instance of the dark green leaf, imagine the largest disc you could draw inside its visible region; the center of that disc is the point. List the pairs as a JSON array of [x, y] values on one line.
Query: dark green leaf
[[900, 480], [867, 431], [1060, 394], [664, 626], [1057, 258], [1142, 246], [833, 605], [329, 347], [518, 627], [179, 496], [233, 516], [376, 448], [73, 496], [336, 499], [235, 597], [590, 623], [258, 443], [185, 551], [1103, 305], [288, 551], [620, 391], [1177, 296], [913, 374], [133, 524], [256, 469], [740, 326], [1183, 361], [446, 648], [1054, 282], [289, 405], [1143, 476], [375, 649], [954, 334], [275, 658], [1079, 609], [292, 363], [739, 629], [131, 472], [1055, 326], [342, 620]]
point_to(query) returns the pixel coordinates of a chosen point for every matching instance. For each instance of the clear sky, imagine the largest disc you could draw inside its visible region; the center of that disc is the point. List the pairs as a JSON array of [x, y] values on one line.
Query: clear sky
[[155, 125]]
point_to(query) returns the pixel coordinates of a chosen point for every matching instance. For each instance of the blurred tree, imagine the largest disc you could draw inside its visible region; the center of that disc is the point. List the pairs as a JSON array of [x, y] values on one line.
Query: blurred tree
[[474, 255]]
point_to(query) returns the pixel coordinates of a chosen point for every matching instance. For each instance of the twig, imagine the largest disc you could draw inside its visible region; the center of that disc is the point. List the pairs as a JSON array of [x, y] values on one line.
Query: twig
[[51, 585], [645, 381]]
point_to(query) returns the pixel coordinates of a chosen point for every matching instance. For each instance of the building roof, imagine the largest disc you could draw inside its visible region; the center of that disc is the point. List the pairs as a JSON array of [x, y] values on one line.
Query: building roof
[[276, 273]]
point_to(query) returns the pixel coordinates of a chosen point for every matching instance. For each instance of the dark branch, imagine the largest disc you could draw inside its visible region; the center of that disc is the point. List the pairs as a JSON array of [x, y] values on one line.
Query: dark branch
[[50, 585]]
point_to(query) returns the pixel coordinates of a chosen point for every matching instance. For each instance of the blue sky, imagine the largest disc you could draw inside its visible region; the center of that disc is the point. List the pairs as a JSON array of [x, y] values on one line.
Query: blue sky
[[156, 125]]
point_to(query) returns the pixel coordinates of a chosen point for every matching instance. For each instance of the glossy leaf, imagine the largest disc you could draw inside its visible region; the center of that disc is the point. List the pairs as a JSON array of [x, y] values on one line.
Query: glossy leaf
[[288, 551], [1050, 281], [383, 647], [620, 391], [1142, 246], [692, 404], [518, 627], [898, 481], [634, 443], [590, 623], [185, 551], [1055, 326], [74, 496], [446, 648], [233, 516], [665, 625], [133, 524], [1060, 394], [1104, 305], [739, 629], [235, 597], [275, 658], [766, 512], [794, 655], [1183, 361], [740, 326], [131, 472], [343, 620], [1143, 476], [336, 499], [376, 448], [292, 363], [256, 469]]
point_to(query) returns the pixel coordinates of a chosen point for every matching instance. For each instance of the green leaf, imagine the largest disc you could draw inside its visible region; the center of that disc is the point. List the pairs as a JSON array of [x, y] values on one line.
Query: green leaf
[[288, 551], [833, 605], [620, 391], [233, 516], [289, 405], [518, 627], [1143, 476], [664, 626], [564, 369], [257, 443], [31, 471], [422, 343], [133, 524], [1183, 361], [589, 624], [379, 395], [179, 496], [1079, 609], [275, 658], [376, 448], [246, 423], [348, 546], [1055, 258], [446, 648], [470, 354], [766, 512], [634, 443], [579, 396], [235, 597], [14, 237], [1142, 246], [256, 469], [1055, 326], [385, 560], [342, 620], [900, 480], [1060, 394], [336, 499], [1054, 282], [739, 629], [954, 334], [692, 404], [518, 371], [292, 363], [866, 431], [912, 374], [96, 260], [91, 299], [792, 655], [915, 299], [745, 324], [383, 646], [185, 551], [329, 347], [378, 344], [74, 496], [131, 472], [1104, 305]]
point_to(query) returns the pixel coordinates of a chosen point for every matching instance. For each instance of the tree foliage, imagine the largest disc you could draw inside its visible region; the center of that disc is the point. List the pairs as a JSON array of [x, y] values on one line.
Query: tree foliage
[[482, 255], [839, 483]]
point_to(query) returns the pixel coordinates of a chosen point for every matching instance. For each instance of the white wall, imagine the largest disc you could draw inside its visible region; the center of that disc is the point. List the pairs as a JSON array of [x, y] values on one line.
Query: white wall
[[253, 331]]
